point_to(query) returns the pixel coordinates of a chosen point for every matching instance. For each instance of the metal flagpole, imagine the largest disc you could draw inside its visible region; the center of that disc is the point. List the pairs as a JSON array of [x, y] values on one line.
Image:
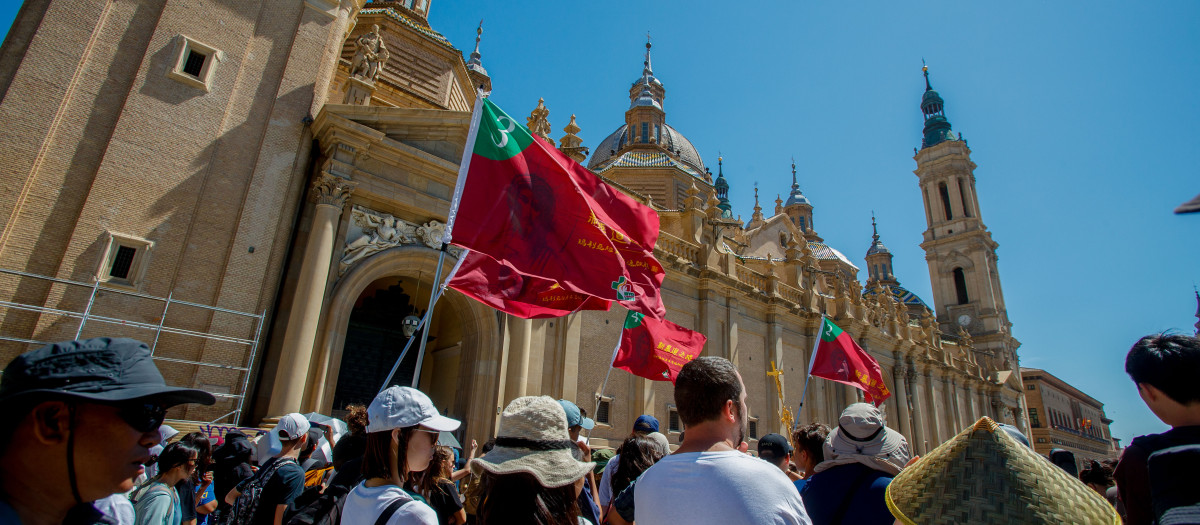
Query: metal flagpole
[[609, 372], [811, 360], [463, 168], [439, 291]]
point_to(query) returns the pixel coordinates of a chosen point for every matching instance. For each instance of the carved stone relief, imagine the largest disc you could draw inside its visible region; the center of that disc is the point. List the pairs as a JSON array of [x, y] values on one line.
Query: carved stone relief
[[371, 232]]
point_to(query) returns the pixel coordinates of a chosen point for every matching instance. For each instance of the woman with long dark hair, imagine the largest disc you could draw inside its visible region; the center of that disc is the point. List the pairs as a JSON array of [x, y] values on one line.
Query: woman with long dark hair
[[196, 492], [530, 476], [636, 454], [403, 428], [435, 486], [156, 502]]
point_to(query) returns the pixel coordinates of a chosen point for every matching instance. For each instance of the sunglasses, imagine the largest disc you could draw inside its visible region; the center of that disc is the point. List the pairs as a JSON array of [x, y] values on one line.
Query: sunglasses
[[143, 417]]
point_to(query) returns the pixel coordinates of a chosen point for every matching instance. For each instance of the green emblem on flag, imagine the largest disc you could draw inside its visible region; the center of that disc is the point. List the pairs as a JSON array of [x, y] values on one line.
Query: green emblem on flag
[[829, 331], [633, 319], [500, 137], [621, 285]]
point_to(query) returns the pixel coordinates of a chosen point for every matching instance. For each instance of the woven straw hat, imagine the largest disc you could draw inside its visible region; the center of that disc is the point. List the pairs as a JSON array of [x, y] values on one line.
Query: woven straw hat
[[984, 476], [533, 439]]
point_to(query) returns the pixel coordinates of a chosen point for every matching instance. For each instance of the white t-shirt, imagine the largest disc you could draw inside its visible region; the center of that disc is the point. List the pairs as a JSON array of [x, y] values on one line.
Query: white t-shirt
[[365, 504], [605, 488], [716, 487], [118, 507]]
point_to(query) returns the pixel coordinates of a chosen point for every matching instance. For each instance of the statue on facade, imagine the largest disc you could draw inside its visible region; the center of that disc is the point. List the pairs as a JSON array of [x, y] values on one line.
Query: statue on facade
[[370, 54], [537, 122]]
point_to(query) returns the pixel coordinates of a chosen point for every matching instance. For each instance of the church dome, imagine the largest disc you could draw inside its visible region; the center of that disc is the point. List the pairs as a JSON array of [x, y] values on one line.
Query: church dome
[[877, 247], [672, 140]]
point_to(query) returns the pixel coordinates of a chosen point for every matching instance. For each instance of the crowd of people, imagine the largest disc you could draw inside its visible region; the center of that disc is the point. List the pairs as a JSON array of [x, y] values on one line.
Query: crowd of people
[[84, 443]]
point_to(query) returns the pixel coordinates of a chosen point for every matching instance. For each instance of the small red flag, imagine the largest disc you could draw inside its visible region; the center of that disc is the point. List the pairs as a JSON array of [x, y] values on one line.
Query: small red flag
[[529, 206], [501, 287], [838, 358], [656, 349]]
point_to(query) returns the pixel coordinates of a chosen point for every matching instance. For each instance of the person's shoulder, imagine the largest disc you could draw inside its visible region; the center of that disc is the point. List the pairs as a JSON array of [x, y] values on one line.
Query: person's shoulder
[[413, 513]]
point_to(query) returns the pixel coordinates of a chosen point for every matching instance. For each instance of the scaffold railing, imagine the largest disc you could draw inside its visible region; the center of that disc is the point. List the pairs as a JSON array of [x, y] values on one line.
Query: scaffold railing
[[89, 315]]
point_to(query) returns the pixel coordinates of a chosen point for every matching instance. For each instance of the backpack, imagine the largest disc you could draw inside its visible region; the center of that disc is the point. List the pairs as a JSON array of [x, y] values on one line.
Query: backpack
[[327, 509], [1172, 465], [250, 494]]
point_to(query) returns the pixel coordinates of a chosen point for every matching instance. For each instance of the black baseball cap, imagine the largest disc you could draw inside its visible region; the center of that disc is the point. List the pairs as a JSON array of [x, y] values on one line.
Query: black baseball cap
[[102, 369], [773, 447]]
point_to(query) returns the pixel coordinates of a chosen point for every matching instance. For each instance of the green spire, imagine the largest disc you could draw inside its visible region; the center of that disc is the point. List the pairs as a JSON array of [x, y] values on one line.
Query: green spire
[[937, 128]]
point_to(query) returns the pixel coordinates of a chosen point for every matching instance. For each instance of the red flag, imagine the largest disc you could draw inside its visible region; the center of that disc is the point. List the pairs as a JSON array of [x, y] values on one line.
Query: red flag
[[838, 358], [532, 208], [501, 287], [656, 349]]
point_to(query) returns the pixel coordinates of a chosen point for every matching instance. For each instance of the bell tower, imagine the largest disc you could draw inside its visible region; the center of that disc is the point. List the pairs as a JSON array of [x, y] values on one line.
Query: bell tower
[[958, 247]]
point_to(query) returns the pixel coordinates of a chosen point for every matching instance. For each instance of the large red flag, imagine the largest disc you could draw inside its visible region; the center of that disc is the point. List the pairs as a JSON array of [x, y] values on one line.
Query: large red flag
[[532, 208], [501, 287], [838, 358], [656, 349]]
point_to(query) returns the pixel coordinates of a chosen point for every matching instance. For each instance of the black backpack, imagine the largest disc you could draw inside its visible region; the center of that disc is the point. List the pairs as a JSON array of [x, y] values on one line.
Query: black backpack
[[318, 508], [250, 494], [1173, 462]]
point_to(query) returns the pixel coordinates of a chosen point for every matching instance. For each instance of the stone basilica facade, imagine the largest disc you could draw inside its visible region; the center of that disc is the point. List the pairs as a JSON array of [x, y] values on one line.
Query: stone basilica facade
[[259, 189]]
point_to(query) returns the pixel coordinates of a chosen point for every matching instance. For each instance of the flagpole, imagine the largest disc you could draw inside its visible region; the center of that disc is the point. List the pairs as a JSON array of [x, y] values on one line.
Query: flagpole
[[425, 318], [604, 385], [811, 361], [463, 168]]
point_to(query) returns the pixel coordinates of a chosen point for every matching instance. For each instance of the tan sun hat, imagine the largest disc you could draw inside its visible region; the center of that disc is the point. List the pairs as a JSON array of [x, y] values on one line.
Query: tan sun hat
[[984, 476], [533, 439]]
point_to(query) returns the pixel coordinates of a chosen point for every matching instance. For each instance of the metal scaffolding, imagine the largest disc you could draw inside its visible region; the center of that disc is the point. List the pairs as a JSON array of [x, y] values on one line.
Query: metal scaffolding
[[88, 315]]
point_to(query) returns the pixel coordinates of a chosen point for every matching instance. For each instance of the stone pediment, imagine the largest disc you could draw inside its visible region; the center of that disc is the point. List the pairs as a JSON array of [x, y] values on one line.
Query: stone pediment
[[771, 238]]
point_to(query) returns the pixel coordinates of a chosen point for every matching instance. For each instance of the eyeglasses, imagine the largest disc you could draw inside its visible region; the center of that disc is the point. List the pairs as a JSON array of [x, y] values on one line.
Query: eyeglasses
[[143, 417]]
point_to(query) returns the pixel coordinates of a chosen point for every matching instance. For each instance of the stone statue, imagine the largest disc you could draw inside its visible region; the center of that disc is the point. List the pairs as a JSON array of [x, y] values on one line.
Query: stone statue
[[537, 123], [370, 54]]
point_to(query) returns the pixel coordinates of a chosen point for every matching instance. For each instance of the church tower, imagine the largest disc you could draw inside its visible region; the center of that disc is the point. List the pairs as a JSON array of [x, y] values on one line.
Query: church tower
[[800, 210], [958, 247]]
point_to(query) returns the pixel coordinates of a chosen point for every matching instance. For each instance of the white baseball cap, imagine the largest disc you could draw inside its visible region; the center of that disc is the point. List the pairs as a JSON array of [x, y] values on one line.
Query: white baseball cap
[[289, 427], [403, 407]]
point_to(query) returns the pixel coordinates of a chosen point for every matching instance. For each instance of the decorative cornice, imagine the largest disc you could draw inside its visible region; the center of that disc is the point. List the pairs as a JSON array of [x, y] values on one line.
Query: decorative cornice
[[331, 190]]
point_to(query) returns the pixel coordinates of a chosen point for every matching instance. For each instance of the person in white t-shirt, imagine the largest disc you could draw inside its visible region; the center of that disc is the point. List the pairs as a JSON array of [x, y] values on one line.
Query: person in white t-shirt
[[707, 480], [404, 425]]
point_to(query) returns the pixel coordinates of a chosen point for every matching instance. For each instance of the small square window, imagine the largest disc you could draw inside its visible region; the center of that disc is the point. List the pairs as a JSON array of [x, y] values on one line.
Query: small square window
[[124, 260], [603, 414], [673, 423], [195, 63]]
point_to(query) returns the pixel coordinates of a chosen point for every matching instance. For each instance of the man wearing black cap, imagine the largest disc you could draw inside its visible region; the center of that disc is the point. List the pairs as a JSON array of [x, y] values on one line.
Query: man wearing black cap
[[79, 420], [775, 449]]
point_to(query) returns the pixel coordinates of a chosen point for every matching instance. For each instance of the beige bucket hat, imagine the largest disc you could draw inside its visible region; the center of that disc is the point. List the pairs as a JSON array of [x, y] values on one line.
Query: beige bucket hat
[[984, 476], [533, 439]]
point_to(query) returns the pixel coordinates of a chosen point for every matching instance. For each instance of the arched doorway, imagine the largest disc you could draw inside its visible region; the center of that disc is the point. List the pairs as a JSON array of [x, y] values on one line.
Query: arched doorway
[[359, 332], [375, 338]]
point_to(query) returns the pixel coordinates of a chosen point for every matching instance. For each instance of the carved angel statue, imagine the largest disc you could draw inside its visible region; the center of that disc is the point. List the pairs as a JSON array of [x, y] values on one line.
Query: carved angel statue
[[370, 54]]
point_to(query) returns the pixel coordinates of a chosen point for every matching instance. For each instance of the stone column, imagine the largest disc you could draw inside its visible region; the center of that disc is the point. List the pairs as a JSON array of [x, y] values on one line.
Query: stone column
[[952, 414], [517, 372], [933, 413], [775, 355], [899, 377], [919, 409], [573, 324], [330, 194], [969, 400]]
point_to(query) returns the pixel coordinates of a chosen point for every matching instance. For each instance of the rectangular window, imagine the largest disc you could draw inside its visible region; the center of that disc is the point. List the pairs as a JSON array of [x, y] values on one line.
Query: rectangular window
[[1033, 418], [645, 132], [602, 412], [122, 262], [673, 423], [194, 64], [1029, 387], [753, 430], [125, 260]]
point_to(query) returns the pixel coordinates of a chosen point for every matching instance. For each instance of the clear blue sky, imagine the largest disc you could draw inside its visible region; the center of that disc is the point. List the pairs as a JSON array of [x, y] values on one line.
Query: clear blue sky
[[1081, 116]]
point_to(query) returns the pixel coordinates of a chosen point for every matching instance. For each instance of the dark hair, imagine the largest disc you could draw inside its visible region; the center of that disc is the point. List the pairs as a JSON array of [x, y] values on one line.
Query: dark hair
[[1167, 362], [429, 480], [356, 419], [702, 388], [811, 438], [637, 454], [176, 454], [488, 445], [201, 442], [520, 498], [1097, 473], [377, 459]]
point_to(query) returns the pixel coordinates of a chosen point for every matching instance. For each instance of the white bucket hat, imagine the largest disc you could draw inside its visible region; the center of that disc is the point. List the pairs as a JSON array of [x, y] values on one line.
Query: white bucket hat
[[533, 439], [403, 407], [862, 437]]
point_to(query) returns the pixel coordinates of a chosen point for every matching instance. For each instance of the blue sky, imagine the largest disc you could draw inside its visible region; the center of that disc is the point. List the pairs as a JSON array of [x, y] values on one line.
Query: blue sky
[[1081, 118]]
